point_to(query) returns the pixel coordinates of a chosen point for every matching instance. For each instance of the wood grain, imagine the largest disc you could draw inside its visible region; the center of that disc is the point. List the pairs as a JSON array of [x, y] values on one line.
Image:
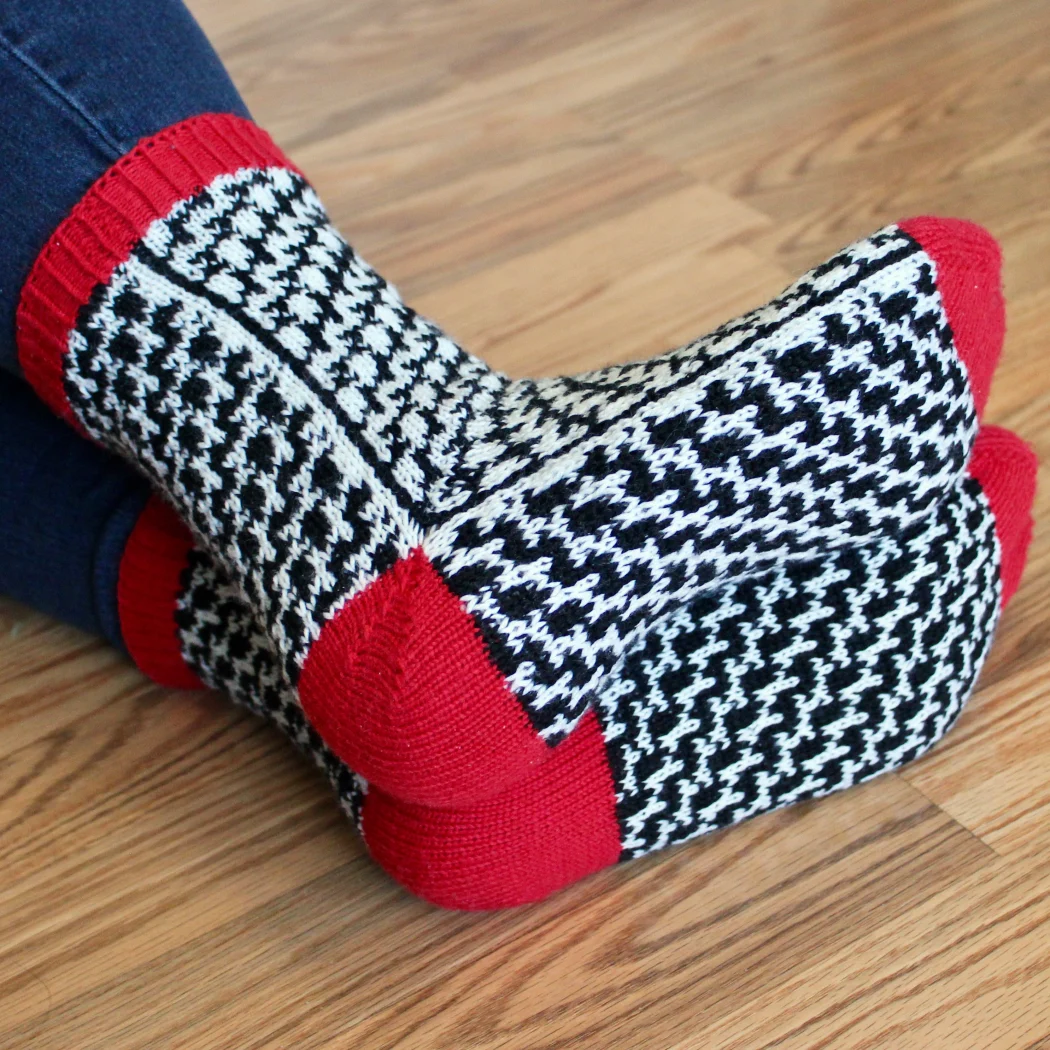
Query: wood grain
[[565, 185]]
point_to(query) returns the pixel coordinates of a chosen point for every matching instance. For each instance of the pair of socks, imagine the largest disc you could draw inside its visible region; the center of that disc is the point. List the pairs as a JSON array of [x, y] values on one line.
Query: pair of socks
[[451, 574], [780, 688]]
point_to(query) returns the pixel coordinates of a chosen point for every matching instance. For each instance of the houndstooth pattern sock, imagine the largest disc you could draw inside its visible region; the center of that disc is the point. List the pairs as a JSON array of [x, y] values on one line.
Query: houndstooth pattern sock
[[779, 688], [789, 686], [804, 682], [449, 563]]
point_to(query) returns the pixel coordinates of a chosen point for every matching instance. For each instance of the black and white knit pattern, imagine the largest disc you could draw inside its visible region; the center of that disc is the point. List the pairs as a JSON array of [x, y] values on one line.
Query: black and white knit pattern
[[804, 681], [312, 429], [228, 650]]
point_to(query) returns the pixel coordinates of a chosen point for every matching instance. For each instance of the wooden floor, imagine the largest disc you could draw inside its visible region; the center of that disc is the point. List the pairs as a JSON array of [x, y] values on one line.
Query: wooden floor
[[563, 185]]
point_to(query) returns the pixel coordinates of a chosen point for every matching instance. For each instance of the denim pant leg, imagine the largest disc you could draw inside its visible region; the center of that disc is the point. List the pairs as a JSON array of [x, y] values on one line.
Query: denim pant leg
[[67, 508], [80, 83]]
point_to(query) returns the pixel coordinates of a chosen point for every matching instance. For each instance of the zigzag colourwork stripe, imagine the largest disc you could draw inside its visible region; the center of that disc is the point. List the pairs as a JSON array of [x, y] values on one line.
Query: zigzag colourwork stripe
[[313, 429], [804, 681]]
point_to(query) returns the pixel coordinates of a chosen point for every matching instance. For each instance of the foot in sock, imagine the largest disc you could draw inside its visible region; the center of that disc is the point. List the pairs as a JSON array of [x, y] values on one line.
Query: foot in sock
[[450, 563], [776, 689], [808, 679]]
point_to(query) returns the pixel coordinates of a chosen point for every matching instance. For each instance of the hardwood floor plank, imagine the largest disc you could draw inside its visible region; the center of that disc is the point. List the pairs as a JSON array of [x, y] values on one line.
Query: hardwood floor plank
[[940, 978], [658, 274], [663, 943]]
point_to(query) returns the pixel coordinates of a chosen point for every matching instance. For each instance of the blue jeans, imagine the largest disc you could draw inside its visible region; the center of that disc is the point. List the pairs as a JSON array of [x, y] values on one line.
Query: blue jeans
[[81, 81]]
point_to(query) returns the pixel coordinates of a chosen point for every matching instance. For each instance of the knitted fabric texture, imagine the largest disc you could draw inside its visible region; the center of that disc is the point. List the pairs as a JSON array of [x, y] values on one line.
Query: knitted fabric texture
[[449, 564], [788, 685], [804, 681]]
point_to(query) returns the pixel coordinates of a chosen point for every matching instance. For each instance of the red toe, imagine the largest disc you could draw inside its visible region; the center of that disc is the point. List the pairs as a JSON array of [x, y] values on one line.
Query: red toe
[[968, 262], [1005, 466]]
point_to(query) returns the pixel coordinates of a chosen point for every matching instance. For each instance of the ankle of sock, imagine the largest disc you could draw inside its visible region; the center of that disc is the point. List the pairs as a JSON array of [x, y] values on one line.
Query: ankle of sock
[[110, 220]]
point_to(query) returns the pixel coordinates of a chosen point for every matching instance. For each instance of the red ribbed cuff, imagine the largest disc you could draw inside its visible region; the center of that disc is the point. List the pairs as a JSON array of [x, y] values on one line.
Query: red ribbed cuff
[[112, 217]]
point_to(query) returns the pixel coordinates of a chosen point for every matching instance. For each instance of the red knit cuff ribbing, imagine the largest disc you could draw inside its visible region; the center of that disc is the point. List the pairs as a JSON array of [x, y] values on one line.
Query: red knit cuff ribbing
[[111, 218]]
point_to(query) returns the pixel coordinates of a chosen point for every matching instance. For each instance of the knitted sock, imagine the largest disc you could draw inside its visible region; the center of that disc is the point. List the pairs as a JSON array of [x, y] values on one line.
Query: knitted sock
[[780, 688], [450, 563], [775, 690], [789, 686]]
